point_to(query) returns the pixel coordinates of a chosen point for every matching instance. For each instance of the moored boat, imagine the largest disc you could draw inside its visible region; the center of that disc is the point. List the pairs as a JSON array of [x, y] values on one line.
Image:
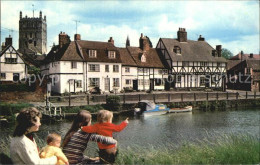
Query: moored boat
[[177, 110]]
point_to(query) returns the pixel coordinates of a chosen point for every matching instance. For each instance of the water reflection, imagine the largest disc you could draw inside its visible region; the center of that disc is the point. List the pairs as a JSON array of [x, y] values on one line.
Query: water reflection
[[168, 129]]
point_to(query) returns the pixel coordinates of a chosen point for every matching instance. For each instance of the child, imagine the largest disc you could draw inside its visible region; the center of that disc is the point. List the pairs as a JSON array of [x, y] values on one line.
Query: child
[[52, 149], [107, 153]]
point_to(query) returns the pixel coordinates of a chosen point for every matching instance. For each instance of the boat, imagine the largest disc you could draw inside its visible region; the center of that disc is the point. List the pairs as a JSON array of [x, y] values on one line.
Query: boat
[[177, 110], [148, 108]]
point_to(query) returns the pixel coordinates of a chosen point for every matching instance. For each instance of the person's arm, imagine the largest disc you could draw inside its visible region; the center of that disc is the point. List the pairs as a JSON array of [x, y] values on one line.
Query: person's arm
[[89, 129], [120, 127], [102, 139]]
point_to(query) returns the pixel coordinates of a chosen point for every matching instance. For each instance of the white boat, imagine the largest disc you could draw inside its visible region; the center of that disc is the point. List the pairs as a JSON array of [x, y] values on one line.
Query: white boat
[[178, 110]]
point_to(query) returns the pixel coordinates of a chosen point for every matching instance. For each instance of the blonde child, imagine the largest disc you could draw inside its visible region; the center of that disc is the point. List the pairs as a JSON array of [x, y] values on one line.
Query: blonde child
[[105, 127], [52, 149]]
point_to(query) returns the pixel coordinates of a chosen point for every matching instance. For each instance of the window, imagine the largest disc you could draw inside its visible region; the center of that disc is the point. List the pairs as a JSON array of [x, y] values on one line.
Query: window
[[94, 82], [146, 82], [127, 69], [92, 53], [140, 82], [143, 58], [111, 54], [115, 82], [203, 64], [11, 60], [128, 82], [140, 70], [213, 79], [145, 70], [107, 68], [79, 83], [3, 76], [178, 77], [177, 50], [202, 81], [158, 82], [93, 68], [115, 68], [73, 64]]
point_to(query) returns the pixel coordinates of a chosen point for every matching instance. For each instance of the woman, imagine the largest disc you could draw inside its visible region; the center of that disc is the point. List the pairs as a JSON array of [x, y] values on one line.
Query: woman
[[23, 149], [76, 141]]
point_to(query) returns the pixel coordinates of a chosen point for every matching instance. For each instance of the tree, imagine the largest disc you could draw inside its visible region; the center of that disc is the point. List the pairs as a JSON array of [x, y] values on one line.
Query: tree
[[226, 53]]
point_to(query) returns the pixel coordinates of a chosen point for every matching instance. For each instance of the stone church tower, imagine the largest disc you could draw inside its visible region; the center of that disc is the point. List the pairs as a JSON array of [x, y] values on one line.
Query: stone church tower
[[33, 35]]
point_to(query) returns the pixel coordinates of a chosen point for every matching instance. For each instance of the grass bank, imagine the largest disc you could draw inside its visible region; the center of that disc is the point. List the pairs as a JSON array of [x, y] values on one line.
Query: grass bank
[[227, 149]]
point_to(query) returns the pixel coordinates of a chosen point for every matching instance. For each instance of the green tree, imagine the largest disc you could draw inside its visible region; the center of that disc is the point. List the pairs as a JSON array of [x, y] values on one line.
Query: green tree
[[226, 53]]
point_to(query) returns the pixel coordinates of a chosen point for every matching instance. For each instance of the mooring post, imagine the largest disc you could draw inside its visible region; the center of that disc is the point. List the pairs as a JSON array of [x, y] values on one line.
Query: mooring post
[[237, 95], [169, 97], [154, 98], [124, 98], [139, 97], [254, 94], [246, 94], [227, 95], [88, 99]]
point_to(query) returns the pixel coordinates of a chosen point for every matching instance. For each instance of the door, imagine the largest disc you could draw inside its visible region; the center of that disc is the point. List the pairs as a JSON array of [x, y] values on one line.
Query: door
[[107, 84], [16, 77], [135, 85]]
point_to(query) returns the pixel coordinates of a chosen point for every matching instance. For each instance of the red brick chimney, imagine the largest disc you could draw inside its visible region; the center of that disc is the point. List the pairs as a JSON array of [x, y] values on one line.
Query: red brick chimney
[[77, 37], [251, 55], [63, 39], [219, 50], [182, 35], [111, 40], [144, 43]]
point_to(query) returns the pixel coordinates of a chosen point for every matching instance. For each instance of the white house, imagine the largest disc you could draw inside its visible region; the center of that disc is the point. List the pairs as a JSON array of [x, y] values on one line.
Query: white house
[[142, 67], [80, 66], [194, 64], [12, 66]]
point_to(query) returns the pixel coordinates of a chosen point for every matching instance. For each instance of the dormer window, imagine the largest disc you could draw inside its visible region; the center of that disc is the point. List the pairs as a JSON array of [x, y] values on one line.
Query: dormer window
[[143, 58], [177, 50], [92, 53], [111, 54]]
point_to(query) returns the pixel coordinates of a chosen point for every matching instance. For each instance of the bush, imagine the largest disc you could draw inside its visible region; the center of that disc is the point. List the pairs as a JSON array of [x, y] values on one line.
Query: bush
[[16, 87], [113, 103], [11, 109]]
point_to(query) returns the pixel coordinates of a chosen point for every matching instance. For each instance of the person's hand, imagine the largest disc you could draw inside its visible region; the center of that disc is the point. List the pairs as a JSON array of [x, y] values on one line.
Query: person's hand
[[67, 163], [126, 120]]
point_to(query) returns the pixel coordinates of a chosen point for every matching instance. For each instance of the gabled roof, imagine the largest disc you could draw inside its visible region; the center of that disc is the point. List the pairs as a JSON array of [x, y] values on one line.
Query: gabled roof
[[232, 63], [126, 58], [152, 57], [191, 50], [67, 52], [3, 52]]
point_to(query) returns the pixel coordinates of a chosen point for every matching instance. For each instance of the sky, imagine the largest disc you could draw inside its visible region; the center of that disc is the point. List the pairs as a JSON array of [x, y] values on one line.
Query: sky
[[232, 24]]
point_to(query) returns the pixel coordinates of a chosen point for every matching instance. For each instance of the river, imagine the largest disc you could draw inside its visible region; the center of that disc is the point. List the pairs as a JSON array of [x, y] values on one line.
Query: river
[[169, 129]]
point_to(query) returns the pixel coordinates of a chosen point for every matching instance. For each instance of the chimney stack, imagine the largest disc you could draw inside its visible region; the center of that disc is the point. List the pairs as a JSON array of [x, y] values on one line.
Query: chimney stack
[[219, 50], [182, 35], [127, 42], [144, 43], [8, 41], [201, 38], [111, 40], [251, 55], [214, 53], [40, 14], [77, 37], [3, 45], [63, 39]]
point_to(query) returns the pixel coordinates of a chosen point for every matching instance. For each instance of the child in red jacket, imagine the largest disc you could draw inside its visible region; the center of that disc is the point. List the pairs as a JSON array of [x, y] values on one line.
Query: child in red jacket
[[105, 127]]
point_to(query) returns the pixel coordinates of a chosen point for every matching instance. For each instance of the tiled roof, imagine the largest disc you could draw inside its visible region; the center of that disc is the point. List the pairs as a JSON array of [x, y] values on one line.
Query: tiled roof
[[152, 57], [245, 56], [255, 64], [102, 49], [232, 63], [191, 50], [126, 58]]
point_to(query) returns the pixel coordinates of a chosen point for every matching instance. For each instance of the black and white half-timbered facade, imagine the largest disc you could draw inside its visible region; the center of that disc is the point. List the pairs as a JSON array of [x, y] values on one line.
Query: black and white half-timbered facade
[[194, 64], [12, 65]]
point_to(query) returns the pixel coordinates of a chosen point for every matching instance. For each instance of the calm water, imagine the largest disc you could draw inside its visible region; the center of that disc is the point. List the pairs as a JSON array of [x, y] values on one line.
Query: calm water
[[170, 128]]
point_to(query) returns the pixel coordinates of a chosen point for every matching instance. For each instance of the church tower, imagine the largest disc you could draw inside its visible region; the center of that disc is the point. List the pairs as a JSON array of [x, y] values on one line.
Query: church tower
[[33, 35]]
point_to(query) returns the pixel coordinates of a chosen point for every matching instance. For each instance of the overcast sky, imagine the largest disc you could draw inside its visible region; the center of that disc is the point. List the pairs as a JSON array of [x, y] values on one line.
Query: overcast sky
[[232, 24]]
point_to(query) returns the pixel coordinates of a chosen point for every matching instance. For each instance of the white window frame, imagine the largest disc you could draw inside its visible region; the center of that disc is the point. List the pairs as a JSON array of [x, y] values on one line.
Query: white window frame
[[127, 69], [112, 54], [128, 81], [3, 76], [106, 68], [115, 68], [73, 65], [92, 53], [79, 84], [116, 82], [94, 82], [93, 67]]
